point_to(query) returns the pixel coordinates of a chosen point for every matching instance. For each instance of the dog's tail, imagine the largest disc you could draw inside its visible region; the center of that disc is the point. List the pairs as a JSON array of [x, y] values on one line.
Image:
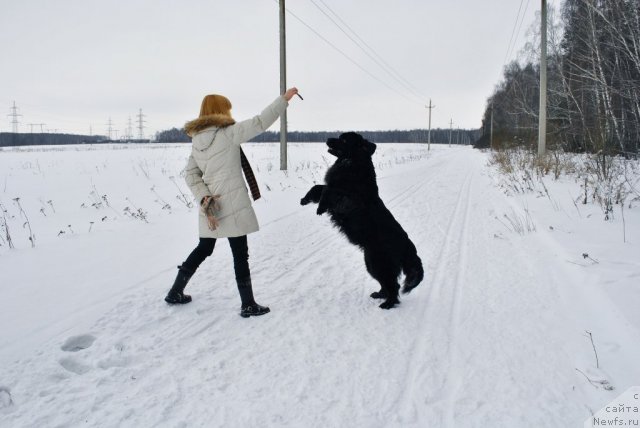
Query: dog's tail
[[412, 268]]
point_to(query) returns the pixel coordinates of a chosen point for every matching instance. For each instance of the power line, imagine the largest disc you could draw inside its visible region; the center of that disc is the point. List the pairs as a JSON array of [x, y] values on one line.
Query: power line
[[349, 58], [515, 24], [380, 62], [371, 49], [526, 7]]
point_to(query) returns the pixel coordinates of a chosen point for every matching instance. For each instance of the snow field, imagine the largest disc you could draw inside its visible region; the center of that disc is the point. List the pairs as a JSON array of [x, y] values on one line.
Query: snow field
[[492, 337]]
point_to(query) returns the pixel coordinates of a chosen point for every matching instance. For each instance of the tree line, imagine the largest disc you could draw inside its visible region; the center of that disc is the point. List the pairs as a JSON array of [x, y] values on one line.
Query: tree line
[[176, 135], [438, 136], [593, 82], [37, 139]]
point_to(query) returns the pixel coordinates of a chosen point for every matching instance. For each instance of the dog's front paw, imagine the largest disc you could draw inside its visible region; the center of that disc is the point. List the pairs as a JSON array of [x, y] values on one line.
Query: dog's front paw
[[379, 295], [321, 210], [304, 201]]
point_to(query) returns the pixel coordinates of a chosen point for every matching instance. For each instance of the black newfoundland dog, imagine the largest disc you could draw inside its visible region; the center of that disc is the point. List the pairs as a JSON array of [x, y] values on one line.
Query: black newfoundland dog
[[350, 196]]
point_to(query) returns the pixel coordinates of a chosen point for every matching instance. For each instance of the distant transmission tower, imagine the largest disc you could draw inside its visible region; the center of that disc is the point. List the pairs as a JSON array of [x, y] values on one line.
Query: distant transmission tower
[[109, 128], [141, 125], [14, 118], [129, 135], [41, 125]]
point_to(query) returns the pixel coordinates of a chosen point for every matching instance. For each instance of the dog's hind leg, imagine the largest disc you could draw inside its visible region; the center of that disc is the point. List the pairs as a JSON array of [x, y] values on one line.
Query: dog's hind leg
[[391, 288], [383, 271], [376, 294]]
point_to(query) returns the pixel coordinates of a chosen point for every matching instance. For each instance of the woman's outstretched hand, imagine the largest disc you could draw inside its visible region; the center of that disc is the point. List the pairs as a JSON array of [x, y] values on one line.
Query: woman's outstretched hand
[[290, 93]]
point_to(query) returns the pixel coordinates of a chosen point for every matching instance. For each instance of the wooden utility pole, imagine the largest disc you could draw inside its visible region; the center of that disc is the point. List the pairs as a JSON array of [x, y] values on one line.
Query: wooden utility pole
[[283, 89], [430, 107], [542, 118]]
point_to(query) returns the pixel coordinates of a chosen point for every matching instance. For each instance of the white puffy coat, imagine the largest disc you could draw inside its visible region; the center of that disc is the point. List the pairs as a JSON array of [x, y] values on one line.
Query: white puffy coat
[[214, 169]]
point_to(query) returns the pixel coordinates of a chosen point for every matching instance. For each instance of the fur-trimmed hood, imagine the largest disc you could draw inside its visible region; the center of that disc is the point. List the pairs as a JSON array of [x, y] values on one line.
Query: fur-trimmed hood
[[203, 122]]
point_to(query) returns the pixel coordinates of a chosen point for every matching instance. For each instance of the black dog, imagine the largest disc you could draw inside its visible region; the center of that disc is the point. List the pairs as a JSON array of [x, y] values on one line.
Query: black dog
[[350, 196]]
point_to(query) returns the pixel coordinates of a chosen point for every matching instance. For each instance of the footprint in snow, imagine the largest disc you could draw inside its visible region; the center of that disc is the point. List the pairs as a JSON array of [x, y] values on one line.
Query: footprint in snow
[[73, 366], [5, 397], [78, 343]]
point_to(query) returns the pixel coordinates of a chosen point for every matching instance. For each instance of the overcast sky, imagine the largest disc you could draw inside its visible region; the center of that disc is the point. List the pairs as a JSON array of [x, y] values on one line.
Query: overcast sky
[[72, 64]]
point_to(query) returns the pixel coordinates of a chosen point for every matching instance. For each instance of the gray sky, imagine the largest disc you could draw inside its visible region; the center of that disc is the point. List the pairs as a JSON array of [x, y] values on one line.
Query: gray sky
[[75, 63]]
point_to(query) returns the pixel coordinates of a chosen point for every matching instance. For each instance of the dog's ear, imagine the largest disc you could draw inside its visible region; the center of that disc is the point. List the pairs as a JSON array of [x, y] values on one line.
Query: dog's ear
[[369, 147]]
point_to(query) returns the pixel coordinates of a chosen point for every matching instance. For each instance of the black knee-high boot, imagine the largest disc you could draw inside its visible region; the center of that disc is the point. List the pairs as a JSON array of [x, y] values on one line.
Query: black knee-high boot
[[176, 294], [249, 306]]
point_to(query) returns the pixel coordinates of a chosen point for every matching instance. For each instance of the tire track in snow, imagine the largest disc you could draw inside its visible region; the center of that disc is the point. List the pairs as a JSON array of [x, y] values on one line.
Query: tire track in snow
[[452, 258], [452, 380], [416, 186]]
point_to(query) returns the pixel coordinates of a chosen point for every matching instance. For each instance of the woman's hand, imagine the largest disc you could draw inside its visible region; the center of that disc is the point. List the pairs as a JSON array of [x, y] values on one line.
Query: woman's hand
[[290, 93]]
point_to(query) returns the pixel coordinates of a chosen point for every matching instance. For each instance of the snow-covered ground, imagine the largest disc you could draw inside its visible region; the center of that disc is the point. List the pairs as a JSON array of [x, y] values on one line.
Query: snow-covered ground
[[494, 336]]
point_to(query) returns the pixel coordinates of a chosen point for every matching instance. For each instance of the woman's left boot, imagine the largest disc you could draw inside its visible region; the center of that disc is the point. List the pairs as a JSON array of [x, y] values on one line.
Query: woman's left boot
[[176, 295], [249, 306]]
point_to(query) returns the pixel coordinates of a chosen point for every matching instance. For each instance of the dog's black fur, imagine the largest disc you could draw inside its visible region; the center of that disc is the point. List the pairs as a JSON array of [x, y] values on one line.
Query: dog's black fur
[[350, 196]]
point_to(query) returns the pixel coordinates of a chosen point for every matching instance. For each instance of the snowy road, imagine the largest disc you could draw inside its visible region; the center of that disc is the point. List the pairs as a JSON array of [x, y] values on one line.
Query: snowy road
[[491, 337]]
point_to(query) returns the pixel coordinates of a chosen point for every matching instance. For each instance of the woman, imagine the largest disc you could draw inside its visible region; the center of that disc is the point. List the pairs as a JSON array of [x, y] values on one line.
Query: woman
[[214, 175]]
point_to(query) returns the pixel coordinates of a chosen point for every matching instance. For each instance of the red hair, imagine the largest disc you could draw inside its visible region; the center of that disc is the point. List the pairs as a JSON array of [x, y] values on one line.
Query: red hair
[[215, 104]]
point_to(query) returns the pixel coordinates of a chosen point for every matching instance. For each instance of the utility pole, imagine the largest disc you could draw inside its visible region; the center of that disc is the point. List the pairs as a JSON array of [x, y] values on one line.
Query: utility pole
[[450, 131], [41, 125], [140, 125], [283, 88], [14, 118], [430, 107], [542, 118]]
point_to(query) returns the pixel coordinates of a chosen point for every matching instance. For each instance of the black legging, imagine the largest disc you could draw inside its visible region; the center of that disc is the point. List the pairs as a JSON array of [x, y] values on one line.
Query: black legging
[[239, 249]]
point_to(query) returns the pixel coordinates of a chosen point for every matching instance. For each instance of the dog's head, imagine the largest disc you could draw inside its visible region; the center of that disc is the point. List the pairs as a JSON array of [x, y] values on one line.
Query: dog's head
[[351, 145]]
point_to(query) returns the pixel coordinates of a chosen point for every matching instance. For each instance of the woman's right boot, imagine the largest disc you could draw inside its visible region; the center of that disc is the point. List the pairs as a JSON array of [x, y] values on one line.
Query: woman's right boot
[[176, 295], [249, 306]]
